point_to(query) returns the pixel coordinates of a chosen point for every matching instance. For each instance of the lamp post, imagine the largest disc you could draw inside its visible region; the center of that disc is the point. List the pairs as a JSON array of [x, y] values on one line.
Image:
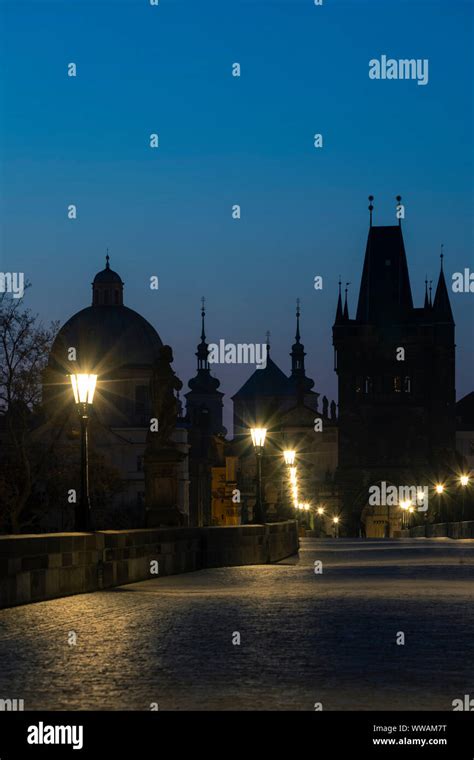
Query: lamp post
[[440, 490], [258, 440], [464, 482], [404, 505], [336, 526], [320, 511], [83, 386], [289, 456]]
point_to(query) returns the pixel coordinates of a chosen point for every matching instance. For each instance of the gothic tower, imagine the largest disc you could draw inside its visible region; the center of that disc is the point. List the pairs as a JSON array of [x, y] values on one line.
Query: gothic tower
[[395, 365]]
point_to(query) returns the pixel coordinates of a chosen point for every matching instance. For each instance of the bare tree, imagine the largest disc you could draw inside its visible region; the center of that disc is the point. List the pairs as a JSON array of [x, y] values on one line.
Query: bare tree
[[24, 349]]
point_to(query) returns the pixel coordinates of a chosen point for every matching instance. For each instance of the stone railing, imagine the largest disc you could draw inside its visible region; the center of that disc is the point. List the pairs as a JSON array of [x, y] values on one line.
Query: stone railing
[[440, 530], [38, 567]]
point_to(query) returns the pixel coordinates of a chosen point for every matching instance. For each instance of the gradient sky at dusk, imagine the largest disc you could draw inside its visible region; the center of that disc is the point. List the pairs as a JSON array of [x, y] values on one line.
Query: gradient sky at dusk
[[226, 140]]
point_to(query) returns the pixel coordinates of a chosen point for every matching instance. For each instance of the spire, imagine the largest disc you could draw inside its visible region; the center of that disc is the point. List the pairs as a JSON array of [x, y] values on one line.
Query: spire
[[427, 303], [441, 306], [300, 382], [107, 259], [371, 207], [399, 200], [267, 340], [346, 308], [203, 349], [203, 314], [431, 288], [385, 292], [298, 312], [339, 304], [203, 382]]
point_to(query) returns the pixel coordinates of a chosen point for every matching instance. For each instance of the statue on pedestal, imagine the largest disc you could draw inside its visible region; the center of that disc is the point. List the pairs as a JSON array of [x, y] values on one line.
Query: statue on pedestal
[[162, 457]]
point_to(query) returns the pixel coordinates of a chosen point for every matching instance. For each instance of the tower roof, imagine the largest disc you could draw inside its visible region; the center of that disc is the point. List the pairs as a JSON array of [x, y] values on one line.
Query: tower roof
[[441, 306], [385, 292], [270, 381]]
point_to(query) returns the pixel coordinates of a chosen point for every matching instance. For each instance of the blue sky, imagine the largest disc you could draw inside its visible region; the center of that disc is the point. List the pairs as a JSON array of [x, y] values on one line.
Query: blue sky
[[224, 141]]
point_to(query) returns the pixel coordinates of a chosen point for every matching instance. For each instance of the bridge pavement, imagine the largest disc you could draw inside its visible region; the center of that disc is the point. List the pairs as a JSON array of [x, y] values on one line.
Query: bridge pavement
[[305, 638]]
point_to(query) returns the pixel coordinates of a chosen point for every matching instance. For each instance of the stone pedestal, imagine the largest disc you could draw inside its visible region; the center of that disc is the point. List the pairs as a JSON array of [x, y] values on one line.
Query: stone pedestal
[[161, 488]]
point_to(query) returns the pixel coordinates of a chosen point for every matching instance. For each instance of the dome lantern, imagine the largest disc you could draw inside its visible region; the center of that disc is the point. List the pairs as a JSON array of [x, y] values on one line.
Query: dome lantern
[[107, 288]]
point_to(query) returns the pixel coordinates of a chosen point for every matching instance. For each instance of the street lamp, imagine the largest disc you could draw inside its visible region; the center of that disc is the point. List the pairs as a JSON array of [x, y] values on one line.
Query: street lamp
[[439, 488], [258, 440], [83, 386], [404, 505], [336, 526], [289, 456], [464, 481]]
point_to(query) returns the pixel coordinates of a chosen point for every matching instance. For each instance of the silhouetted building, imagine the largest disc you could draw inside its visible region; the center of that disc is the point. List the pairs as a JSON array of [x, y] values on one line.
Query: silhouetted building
[[288, 408], [206, 433], [396, 375], [121, 347]]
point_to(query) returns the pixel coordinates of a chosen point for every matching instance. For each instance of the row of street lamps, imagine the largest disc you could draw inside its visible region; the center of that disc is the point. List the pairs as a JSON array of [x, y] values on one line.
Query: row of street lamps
[[289, 455], [84, 385]]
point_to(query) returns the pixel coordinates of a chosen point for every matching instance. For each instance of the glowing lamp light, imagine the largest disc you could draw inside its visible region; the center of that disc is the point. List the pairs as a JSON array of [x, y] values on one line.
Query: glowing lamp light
[[439, 488], [289, 456], [306, 506], [405, 504], [83, 387], [464, 480], [320, 511], [258, 437], [293, 474], [335, 520]]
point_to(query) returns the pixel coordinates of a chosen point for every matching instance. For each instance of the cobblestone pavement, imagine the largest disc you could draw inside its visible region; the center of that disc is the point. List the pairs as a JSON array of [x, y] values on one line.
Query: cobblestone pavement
[[305, 638]]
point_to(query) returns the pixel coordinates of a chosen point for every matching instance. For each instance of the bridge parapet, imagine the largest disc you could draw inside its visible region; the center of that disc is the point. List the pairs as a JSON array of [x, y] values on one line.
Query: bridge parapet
[[34, 568]]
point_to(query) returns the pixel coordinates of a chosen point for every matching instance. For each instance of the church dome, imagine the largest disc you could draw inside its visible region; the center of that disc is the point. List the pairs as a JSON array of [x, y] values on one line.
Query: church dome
[[107, 276], [107, 335]]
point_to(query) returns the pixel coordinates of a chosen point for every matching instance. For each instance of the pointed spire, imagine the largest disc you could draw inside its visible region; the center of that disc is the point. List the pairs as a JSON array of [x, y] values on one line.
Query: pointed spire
[[346, 308], [371, 207], [441, 306], [339, 304], [203, 382], [399, 200], [107, 259], [267, 340], [298, 312], [203, 349], [427, 303], [385, 292], [430, 289], [301, 383], [203, 314]]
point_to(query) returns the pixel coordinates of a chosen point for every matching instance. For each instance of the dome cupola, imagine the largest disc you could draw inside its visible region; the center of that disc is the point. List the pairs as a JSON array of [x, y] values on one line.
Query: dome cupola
[[107, 288]]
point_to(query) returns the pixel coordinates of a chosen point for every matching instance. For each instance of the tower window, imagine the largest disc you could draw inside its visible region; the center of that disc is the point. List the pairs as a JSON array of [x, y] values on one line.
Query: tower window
[[116, 296], [106, 296], [407, 385], [367, 385], [397, 384]]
